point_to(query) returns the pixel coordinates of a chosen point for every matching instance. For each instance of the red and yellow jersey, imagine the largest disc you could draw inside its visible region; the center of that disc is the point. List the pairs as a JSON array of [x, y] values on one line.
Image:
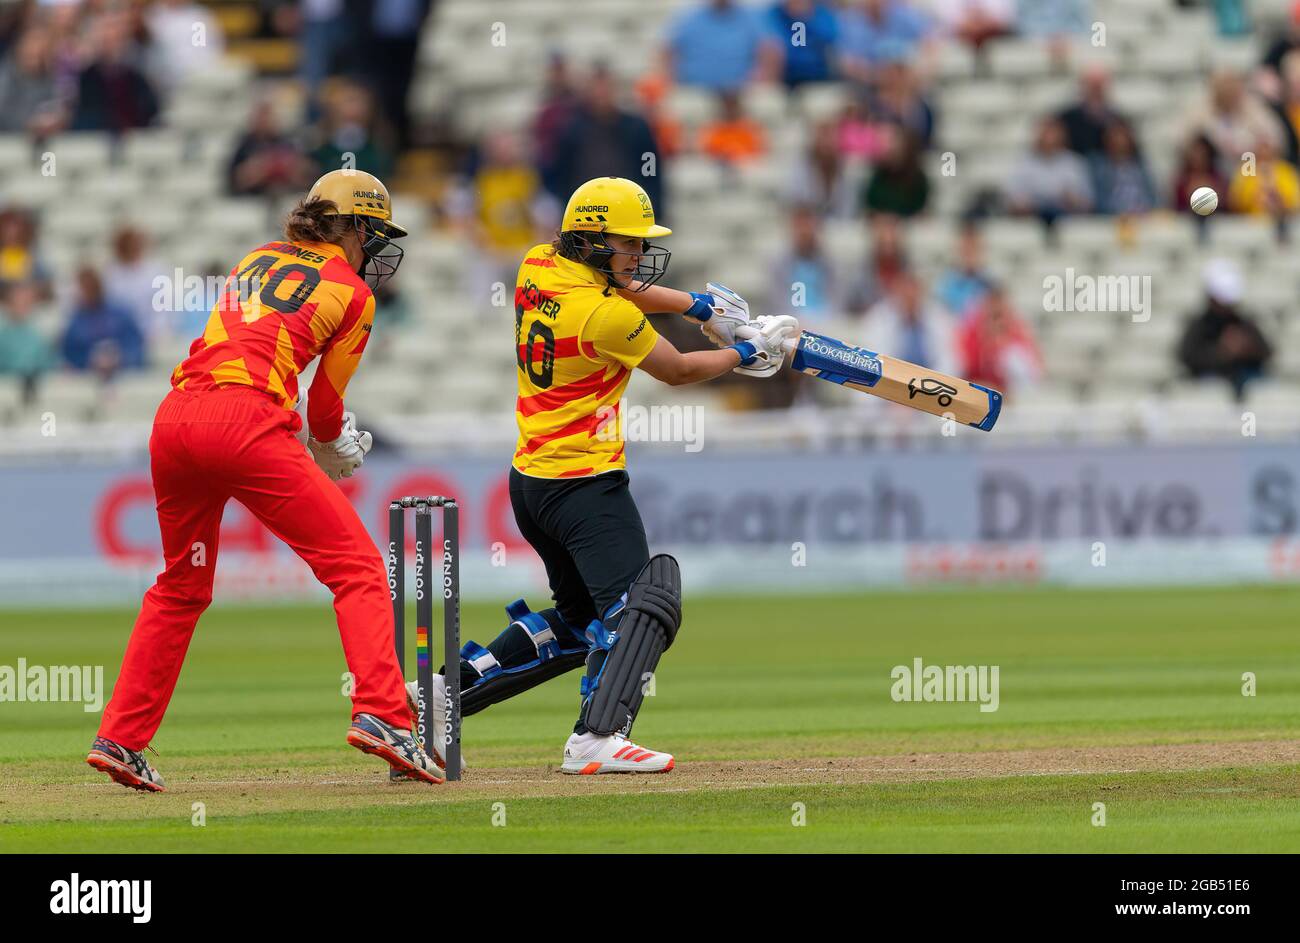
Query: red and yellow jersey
[[576, 348], [283, 305]]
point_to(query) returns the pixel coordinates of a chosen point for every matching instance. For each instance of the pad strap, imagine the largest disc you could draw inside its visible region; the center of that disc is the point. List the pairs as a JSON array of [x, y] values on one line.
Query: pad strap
[[538, 629], [480, 659]]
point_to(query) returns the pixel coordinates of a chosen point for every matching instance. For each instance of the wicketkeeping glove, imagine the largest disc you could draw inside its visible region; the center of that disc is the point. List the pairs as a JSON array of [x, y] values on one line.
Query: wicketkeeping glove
[[343, 456], [767, 335]]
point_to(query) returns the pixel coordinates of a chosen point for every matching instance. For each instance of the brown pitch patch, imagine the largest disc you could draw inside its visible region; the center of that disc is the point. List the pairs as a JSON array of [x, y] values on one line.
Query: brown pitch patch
[[315, 786]]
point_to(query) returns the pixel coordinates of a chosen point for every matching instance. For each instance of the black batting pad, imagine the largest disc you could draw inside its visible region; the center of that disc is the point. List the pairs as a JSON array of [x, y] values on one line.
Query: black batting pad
[[646, 629]]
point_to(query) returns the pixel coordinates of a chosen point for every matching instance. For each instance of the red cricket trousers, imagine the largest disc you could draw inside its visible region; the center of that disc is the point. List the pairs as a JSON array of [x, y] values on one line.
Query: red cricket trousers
[[236, 442]]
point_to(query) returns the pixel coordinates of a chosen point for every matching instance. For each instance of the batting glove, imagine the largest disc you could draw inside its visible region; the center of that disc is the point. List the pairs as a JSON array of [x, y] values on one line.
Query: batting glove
[[720, 311], [768, 336]]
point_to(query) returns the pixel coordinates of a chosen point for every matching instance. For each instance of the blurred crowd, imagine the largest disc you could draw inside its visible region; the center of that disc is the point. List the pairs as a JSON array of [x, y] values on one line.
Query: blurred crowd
[[68, 66], [106, 66], [871, 161]]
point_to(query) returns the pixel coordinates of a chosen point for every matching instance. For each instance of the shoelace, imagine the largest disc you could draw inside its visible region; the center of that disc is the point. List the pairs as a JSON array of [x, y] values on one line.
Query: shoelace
[[140, 764]]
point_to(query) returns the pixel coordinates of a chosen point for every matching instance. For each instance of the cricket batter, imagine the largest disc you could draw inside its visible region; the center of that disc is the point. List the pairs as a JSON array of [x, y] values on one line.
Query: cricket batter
[[228, 430], [580, 331]]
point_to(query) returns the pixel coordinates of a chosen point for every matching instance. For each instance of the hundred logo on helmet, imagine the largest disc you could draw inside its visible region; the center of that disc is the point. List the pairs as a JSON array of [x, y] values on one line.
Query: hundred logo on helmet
[[619, 207]]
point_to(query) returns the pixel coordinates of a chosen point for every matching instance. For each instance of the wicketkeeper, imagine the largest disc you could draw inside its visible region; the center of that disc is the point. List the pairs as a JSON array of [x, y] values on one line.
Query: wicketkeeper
[[228, 430]]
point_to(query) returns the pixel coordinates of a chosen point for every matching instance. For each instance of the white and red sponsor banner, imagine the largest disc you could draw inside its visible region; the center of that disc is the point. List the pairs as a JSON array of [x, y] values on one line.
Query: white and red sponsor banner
[[804, 520]]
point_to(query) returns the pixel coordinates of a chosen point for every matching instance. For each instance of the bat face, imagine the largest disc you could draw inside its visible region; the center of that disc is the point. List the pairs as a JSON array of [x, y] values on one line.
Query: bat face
[[896, 380]]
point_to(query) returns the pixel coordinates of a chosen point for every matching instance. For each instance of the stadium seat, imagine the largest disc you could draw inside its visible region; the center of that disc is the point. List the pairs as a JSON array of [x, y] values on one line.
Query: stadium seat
[[1242, 234], [80, 153], [16, 150], [154, 150]]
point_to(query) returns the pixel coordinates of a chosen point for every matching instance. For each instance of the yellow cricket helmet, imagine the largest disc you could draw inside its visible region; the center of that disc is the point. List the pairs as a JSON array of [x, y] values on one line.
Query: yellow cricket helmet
[[614, 205], [619, 207], [364, 197]]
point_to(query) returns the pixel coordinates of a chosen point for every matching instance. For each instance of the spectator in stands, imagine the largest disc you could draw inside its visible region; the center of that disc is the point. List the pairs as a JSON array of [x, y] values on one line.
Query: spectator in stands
[[1223, 342], [19, 260], [1231, 17], [652, 91], [323, 30], [912, 327], [733, 137], [803, 279], [560, 103], [804, 34], [604, 140], [186, 38], [1272, 190], [386, 56], [1088, 118], [1055, 22], [1051, 180], [825, 179], [898, 185], [1197, 168], [30, 100], [860, 134], [1121, 183], [24, 351], [498, 209], [720, 45], [101, 336], [874, 33], [965, 284], [1269, 76], [112, 93], [266, 161], [1287, 106], [351, 127], [996, 347], [67, 26], [896, 98], [885, 263], [1234, 119], [130, 281], [975, 22]]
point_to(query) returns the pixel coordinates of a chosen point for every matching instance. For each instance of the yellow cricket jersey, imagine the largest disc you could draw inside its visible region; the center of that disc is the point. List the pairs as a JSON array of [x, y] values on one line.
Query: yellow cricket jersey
[[576, 348]]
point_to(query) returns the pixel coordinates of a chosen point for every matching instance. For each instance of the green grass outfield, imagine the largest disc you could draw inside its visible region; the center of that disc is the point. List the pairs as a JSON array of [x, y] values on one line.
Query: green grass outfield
[[778, 710]]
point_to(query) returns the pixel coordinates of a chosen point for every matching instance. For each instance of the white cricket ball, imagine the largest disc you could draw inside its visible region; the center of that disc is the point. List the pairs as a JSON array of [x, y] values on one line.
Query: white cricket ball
[[1204, 201]]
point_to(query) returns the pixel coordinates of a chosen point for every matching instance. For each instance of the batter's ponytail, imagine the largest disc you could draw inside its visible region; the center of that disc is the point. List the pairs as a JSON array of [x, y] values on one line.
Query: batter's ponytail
[[316, 220]]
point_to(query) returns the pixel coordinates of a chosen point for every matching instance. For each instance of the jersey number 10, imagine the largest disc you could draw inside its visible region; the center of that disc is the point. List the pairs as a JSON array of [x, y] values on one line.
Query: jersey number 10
[[541, 374]]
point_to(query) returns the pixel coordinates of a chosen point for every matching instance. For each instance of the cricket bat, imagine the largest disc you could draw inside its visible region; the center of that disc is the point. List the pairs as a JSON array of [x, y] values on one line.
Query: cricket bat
[[895, 380]]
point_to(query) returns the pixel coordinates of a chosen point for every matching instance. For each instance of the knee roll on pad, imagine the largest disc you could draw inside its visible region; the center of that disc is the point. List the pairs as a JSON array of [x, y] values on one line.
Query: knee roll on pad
[[555, 656], [647, 626]]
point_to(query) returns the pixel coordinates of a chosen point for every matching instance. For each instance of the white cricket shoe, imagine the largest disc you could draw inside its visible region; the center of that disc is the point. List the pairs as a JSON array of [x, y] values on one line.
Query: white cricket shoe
[[439, 716], [588, 753]]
